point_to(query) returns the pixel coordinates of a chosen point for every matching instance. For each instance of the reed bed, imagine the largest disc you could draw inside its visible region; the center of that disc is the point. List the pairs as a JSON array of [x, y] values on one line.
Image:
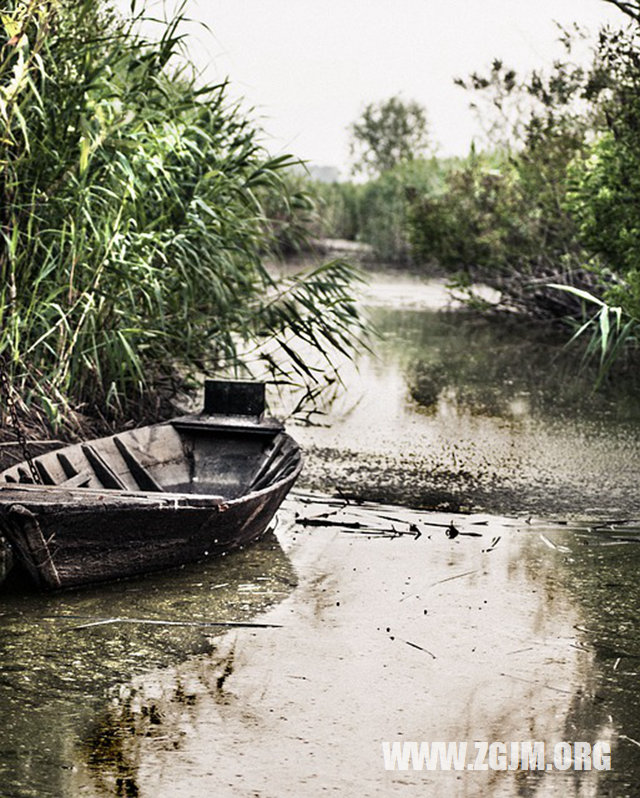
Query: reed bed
[[133, 226]]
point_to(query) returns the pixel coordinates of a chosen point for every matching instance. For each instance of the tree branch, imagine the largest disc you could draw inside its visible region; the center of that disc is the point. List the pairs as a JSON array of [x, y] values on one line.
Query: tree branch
[[629, 7]]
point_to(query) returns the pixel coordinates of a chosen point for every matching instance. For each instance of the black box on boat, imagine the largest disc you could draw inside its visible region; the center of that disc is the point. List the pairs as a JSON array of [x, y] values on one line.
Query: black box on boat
[[225, 397]]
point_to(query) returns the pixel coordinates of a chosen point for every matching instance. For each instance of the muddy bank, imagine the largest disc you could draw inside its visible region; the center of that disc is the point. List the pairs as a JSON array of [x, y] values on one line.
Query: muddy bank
[[462, 413]]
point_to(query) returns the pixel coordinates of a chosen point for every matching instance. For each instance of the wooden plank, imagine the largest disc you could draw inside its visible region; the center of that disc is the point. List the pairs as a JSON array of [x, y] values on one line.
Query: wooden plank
[[34, 549], [144, 479], [77, 480], [25, 478], [102, 469], [67, 467], [231, 425], [234, 397], [270, 457], [43, 472], [280, 468], [73, 498]]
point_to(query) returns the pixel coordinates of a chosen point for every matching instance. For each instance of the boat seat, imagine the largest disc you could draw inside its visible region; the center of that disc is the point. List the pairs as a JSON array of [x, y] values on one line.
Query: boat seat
[[77, 481]]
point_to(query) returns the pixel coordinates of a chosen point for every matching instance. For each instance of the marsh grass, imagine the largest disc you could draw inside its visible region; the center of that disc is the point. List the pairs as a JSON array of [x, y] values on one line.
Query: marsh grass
[[133, 224]]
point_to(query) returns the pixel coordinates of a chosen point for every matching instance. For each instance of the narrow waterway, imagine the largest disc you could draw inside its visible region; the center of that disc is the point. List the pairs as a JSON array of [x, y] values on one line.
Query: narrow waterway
[[501, 607], [456, 411]]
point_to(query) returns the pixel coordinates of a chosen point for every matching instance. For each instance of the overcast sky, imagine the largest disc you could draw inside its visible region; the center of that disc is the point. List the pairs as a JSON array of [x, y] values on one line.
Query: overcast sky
[[308, 67]]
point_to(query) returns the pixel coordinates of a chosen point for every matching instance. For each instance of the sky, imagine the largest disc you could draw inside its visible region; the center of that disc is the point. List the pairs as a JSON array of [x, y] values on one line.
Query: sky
[[307, 68]]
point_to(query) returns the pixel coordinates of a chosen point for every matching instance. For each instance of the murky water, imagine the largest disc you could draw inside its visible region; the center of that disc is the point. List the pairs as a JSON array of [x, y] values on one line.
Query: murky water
[[65, 656], [358, 630], [459, 412]]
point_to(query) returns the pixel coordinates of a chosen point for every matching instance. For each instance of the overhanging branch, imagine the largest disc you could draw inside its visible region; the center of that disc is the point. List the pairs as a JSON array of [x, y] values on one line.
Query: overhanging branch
[[629, 7]]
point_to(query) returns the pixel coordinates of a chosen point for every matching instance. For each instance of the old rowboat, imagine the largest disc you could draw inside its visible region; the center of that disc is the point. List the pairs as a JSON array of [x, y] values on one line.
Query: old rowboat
[[150, 498]]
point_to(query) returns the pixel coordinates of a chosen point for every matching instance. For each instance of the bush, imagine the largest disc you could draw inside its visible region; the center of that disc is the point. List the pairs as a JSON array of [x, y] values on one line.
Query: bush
[[376, 212], [502, 217]]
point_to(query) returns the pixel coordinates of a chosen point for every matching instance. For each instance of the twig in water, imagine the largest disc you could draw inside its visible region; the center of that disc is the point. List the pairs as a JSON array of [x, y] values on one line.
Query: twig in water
[[548, 543], [420, 648], [457, 576], [630, 739], [535, 681], [154, 622], [552, 545]]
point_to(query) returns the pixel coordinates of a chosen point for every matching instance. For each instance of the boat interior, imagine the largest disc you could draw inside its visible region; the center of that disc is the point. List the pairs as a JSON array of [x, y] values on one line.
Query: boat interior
[[194, 455]]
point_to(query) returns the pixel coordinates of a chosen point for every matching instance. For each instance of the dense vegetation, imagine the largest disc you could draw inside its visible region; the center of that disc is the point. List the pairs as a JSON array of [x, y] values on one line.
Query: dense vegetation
[[550, 199], [134, 224]]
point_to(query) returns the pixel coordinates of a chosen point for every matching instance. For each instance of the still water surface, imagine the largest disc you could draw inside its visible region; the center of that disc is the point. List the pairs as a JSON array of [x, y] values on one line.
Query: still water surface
[[535, 634], [460, 412]]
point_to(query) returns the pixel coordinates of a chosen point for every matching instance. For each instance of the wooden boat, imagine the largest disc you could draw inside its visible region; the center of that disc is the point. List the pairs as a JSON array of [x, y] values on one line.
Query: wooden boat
[[150, 498]]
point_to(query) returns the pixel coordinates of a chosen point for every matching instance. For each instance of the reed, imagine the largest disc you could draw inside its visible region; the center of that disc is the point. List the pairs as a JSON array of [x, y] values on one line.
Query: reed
[[132, 221]]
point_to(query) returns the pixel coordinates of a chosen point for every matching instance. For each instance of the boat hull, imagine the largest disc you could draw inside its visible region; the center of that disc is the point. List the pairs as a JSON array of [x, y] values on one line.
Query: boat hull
[[66, 537], [73, 545]]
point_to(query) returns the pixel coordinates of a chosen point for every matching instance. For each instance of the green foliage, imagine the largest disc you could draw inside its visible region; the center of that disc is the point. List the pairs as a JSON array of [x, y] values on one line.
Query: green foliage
[[387, 134], [560, 209], [503, 217], [604, 196], [292, 214], [604, 187], [338, 209], [608, 330], [385, 203], [376, 212], [603, 190], [133, 220], [469, 223]]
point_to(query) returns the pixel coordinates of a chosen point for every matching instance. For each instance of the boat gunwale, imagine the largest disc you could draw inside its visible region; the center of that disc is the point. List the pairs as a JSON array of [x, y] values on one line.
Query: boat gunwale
[[104, 497]]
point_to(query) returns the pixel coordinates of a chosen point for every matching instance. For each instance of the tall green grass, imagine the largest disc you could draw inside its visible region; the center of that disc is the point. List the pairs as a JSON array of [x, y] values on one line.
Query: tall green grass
[[132, 221]]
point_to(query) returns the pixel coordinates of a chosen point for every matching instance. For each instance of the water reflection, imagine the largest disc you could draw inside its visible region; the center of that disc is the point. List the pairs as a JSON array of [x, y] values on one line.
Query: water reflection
[[465, 413], [491, 634], [58, 668], [500, 367], [596, 568]]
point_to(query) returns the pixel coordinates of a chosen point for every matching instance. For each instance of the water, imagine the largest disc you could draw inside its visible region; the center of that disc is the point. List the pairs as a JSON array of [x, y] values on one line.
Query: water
[[65, 656], [525, 624], [458, 412]]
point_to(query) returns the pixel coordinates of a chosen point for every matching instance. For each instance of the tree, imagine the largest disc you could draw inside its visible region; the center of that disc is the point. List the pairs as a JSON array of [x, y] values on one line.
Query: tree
[[387, 134]]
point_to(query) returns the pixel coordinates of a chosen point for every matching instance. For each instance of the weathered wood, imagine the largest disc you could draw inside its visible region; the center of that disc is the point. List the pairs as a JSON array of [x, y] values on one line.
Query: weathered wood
[[214, 424], [76, 481], [278, 468], [197, 499], [24, 476], [271, 456], [43, 473], [67, 467], [227, 397], [102, 469], [32, 546], [139, 472]]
